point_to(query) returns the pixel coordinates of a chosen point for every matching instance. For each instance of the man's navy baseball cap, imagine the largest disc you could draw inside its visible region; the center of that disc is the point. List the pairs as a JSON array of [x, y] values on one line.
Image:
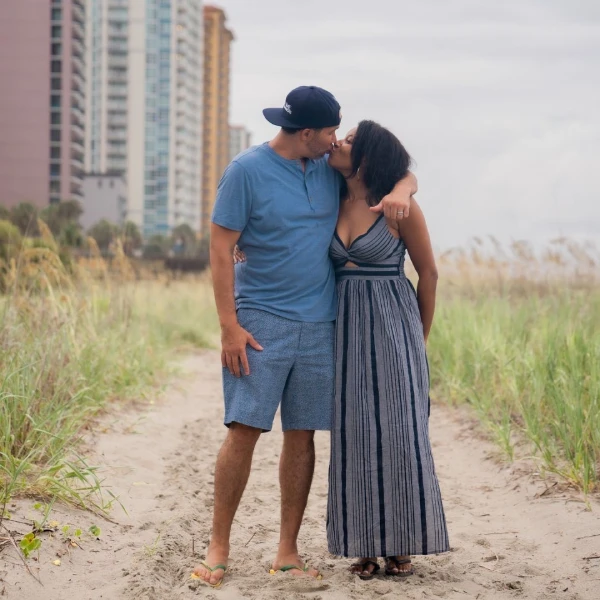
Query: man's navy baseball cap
[[306, 107]]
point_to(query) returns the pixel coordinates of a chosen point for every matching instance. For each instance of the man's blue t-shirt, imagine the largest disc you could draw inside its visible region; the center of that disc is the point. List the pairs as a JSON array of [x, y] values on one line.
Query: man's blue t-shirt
[[287, 217]]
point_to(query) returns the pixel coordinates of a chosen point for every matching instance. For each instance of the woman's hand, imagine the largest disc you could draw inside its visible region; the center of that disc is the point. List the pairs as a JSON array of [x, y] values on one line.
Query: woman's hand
[[238, 255], [396, 205]]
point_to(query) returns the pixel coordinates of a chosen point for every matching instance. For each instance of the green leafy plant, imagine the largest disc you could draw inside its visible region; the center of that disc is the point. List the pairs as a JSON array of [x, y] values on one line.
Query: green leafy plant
[[95, 531], [30, 543]]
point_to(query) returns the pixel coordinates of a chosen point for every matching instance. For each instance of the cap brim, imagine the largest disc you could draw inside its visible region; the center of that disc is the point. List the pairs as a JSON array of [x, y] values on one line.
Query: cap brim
[[277, 116]]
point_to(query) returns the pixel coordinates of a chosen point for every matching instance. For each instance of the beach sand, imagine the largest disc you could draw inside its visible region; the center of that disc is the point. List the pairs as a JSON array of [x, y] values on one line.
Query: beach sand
[[512, 536]]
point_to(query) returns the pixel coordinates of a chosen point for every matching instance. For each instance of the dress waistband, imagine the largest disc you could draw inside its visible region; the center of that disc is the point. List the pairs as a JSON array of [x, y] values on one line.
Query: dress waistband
[[369, 271]]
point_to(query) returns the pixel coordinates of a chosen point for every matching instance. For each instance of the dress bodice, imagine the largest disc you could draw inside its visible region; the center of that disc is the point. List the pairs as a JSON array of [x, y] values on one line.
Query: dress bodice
[[375, 249]]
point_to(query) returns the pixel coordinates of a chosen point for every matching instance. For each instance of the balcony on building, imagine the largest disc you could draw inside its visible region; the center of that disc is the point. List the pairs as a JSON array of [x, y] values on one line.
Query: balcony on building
[[77, 141], [78, 78], [116, 135]]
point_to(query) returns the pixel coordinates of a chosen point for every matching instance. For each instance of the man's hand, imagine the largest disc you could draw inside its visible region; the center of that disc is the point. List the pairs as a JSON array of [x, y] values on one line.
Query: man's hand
[[396, 205], [234, 339]]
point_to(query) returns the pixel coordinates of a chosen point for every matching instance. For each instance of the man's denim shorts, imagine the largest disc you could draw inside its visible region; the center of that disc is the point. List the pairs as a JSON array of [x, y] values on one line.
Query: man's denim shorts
[[295, 369]]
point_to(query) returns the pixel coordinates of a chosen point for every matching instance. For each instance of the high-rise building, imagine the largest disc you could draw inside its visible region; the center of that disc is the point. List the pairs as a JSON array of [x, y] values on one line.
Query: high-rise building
[[42, 102], [104, 198], [146, 106], [107, 84], [217, 42], [239, 140]]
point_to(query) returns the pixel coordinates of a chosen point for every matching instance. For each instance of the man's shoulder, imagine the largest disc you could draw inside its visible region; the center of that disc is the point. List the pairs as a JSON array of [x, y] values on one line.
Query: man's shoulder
[[250, 158], [323, 164], [324, 170]]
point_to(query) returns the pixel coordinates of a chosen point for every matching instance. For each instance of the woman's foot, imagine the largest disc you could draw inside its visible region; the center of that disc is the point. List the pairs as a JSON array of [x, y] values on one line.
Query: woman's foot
[[365, 568], [398, 566]]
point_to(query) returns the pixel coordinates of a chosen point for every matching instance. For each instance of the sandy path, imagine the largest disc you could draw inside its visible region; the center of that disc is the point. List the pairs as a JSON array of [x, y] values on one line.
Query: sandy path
[[507, 543]]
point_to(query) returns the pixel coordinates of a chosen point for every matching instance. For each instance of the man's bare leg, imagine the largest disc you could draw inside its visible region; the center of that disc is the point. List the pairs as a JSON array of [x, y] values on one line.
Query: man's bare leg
[[231, 476], [296, 468]]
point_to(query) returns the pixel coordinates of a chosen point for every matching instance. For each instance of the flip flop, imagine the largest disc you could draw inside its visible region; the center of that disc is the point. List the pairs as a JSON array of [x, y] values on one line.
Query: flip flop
[[397, 565], [287, 568], [362, 565], [212, 570]]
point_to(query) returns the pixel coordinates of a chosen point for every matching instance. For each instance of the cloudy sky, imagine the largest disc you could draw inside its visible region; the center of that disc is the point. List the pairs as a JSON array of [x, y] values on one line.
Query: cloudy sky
[[498, 102]]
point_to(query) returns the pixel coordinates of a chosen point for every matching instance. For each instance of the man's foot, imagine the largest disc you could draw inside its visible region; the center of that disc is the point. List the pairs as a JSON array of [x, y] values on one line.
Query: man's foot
[[365, 568], [294, 565], [212, 569], [398, 566]]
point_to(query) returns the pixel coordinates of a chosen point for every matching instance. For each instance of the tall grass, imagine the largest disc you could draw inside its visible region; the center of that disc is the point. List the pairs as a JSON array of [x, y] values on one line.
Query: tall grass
[[520, 342], [70, 343], [515, 336]]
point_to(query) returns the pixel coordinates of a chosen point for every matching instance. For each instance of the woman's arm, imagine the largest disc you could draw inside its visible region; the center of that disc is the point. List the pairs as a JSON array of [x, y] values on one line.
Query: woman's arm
[[415, 234], [397, 204]]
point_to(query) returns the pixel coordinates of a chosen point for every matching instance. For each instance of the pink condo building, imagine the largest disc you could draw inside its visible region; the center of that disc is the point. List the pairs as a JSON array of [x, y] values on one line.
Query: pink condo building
[[42, 100]]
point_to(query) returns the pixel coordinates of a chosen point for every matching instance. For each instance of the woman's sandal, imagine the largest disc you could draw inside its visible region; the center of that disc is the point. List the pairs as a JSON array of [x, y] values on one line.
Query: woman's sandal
[[396, 564], [362, 565]]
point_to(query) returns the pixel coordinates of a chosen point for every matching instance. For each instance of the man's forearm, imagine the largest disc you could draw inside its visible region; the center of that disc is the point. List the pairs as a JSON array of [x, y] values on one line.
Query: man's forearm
[[223, 285]]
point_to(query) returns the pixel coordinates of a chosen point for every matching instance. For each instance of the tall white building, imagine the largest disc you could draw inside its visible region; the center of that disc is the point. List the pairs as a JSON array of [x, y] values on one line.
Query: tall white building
[[144, 106], [239, 140], [107, 34]]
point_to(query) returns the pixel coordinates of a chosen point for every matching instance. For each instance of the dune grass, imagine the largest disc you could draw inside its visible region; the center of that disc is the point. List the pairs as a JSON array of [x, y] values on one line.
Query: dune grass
[[528, 366], [519, 341], [520, 348], [69, 344]]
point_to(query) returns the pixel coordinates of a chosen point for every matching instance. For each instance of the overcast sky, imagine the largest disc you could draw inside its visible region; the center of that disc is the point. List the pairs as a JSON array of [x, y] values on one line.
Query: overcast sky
[[498, 102]]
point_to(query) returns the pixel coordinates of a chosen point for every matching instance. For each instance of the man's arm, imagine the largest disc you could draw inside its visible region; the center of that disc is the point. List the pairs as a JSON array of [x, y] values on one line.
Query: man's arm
[[396, 205], [222, 242], [233, 336]]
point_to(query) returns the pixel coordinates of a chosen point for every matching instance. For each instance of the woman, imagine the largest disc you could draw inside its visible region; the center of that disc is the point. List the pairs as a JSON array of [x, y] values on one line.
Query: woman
[[384, 497]]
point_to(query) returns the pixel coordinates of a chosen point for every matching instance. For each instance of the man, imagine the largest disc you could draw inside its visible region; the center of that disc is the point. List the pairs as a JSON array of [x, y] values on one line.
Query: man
[[279, 202]]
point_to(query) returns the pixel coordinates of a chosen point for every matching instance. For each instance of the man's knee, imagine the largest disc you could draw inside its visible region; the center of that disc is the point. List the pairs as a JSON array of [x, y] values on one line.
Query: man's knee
[[299, 438], [243, 434]]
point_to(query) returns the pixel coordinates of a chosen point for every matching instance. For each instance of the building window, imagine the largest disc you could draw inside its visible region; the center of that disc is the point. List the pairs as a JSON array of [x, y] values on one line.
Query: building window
[[56, 49], [56, 31], [55, 135], [55, 101], [56, 14], [56, 83], [55, 187], [55, 152], [56, 66], [55, 118], [55, 170]]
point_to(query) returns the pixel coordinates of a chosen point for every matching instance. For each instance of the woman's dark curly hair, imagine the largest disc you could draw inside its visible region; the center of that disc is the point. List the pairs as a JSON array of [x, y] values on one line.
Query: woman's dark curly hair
[[381, 157]]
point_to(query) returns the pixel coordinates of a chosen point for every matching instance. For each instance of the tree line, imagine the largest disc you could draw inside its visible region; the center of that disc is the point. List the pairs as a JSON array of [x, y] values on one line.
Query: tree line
[[62, 218]]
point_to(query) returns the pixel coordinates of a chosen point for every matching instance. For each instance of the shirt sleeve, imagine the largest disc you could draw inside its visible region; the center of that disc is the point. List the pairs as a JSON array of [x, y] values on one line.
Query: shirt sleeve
[[233, 203]]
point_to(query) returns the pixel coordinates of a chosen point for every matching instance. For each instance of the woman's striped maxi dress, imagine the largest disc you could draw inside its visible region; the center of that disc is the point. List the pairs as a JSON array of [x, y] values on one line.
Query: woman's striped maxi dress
[[384, 497]]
